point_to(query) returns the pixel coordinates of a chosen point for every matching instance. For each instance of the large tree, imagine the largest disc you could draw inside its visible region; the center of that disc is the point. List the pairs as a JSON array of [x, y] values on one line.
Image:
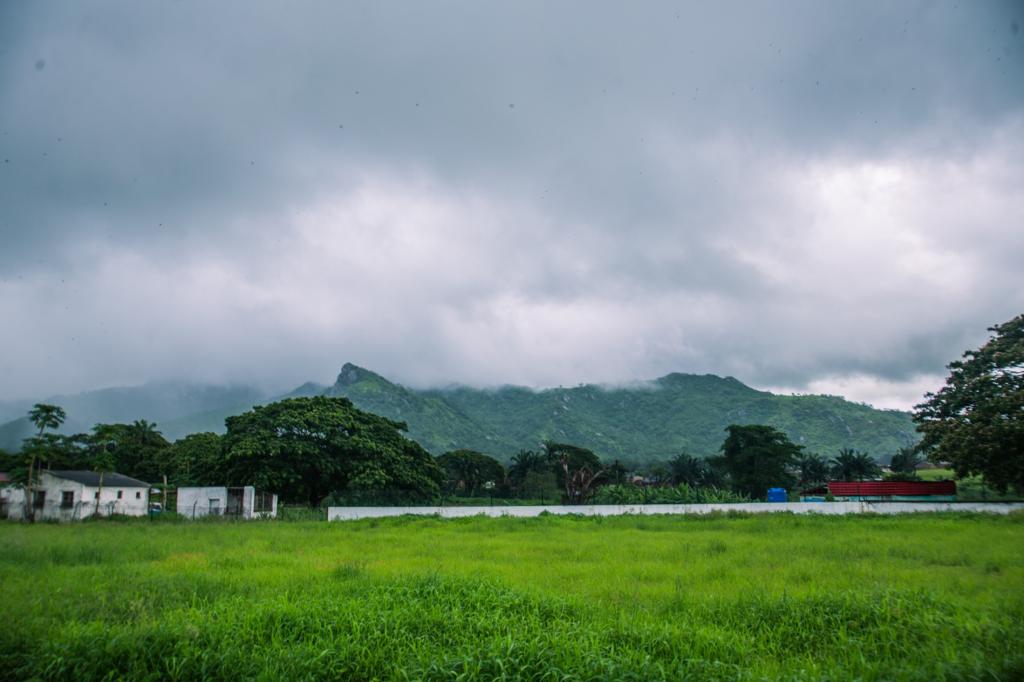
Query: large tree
[[466, 471], [307, 448], [577, 470], [976, 421], [197, 459], [758, 457]]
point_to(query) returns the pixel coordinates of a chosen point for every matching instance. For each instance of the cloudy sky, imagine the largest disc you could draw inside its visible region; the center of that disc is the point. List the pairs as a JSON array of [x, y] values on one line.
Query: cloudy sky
[[809, 196]]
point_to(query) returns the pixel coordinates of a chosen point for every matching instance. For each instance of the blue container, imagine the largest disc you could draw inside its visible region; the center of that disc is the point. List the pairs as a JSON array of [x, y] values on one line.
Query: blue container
[[777, 495]]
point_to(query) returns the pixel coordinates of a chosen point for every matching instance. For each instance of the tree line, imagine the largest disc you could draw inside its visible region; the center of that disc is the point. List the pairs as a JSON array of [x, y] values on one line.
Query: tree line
[[312, 450]]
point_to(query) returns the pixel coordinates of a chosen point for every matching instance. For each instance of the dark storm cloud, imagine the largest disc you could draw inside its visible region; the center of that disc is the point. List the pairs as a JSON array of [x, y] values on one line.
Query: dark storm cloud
[[795, 194]]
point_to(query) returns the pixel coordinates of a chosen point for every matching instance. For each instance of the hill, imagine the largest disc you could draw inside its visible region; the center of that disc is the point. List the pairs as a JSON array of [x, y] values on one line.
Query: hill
[[636, 423], [177, 408], [641, 422]]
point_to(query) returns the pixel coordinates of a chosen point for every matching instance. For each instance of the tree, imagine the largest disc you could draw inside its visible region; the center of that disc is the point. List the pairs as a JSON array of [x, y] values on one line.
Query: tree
[[145, 452], [812, 470], [577, 470], [693, 471], [758, 457], [904, 463], [976, 421], [468, 470], [44, 417], [526, 462], [197, 459], [850, 465], [104, 440], [307, 448]]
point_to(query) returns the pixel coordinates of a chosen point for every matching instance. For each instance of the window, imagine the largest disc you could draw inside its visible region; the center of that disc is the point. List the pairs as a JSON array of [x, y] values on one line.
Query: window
[[264, 503], [96, 495], [67, 499], [214, 505], [138, 494], [120, 494], [40, 499]]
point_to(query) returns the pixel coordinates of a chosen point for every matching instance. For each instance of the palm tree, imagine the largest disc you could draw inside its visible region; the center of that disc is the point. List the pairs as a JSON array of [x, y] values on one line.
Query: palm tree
[[688, 469], [850, 465], [905, 461], [44, 417], [812, 469]]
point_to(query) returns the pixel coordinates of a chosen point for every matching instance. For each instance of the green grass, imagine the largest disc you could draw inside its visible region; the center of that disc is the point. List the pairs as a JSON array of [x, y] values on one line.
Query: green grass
[[924, 597]]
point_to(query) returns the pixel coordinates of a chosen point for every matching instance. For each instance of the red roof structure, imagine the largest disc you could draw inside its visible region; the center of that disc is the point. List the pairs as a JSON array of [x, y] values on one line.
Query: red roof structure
[[887, 488]]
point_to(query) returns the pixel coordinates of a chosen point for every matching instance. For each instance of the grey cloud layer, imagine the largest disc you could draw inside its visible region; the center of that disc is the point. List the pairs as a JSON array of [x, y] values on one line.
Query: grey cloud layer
[[505, 192]]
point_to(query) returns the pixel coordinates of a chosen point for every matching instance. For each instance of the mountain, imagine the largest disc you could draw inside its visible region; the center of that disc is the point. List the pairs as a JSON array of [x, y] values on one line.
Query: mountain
[[176, 407], [636, 423], [640, 422]]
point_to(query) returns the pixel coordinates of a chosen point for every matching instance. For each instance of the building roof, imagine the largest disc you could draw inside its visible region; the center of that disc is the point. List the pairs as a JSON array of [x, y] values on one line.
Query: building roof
[[92, 478], [886, 488]]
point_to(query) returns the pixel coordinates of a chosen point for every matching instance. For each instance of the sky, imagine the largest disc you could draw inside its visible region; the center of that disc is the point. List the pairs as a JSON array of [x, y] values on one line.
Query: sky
[[813, 197]]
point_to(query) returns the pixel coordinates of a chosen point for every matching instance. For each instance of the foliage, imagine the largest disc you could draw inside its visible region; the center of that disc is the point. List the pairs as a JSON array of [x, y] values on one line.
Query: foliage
[[813, 469], [976, 421], [675, 413], [466, 471], [850, 465], [678, 494], [525, 462], [138, 449], [757, 457], [903, 465], [46, 416], [38, 449], [306, 448], [919, 598], [692, 471], [577, 470], [197, 459]]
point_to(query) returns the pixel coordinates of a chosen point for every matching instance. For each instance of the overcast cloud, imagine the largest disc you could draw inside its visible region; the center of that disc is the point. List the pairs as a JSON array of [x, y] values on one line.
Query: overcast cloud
[[809, 196]]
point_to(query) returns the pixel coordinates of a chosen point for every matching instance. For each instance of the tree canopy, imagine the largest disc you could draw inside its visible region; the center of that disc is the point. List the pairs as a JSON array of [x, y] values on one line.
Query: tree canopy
[[307, 448], [757, 457], [850, 465], [466, 471], [577, 470], [976, 421]]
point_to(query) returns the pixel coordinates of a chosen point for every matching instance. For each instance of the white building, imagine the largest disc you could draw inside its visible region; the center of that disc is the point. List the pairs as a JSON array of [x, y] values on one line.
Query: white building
[[243, 502], [72, 495]]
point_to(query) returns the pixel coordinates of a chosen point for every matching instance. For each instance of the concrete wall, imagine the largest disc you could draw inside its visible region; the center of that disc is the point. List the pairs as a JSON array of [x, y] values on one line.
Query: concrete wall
[[196, 501], [352, 513]]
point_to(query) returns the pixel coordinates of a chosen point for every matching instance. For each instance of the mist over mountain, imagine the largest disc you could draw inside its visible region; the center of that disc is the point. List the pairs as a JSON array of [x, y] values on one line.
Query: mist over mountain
[[637, 422], [176, 407]]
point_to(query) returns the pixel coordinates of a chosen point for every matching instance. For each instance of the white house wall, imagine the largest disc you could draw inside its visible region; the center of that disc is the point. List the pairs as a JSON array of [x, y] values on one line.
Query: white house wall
[[133, 501], [194, 501]]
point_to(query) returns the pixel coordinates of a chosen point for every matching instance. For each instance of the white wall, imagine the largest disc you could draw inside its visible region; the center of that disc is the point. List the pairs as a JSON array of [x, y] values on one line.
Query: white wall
[[194, 501], [13, 502], [134, 501], [351, 513]]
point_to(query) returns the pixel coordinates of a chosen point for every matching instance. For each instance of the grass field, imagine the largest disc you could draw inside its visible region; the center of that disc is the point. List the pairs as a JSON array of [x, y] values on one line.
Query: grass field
[[924, 597]]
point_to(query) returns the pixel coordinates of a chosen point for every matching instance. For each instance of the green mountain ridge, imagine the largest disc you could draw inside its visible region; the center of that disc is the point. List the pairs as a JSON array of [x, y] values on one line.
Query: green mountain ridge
[[638, 422]]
